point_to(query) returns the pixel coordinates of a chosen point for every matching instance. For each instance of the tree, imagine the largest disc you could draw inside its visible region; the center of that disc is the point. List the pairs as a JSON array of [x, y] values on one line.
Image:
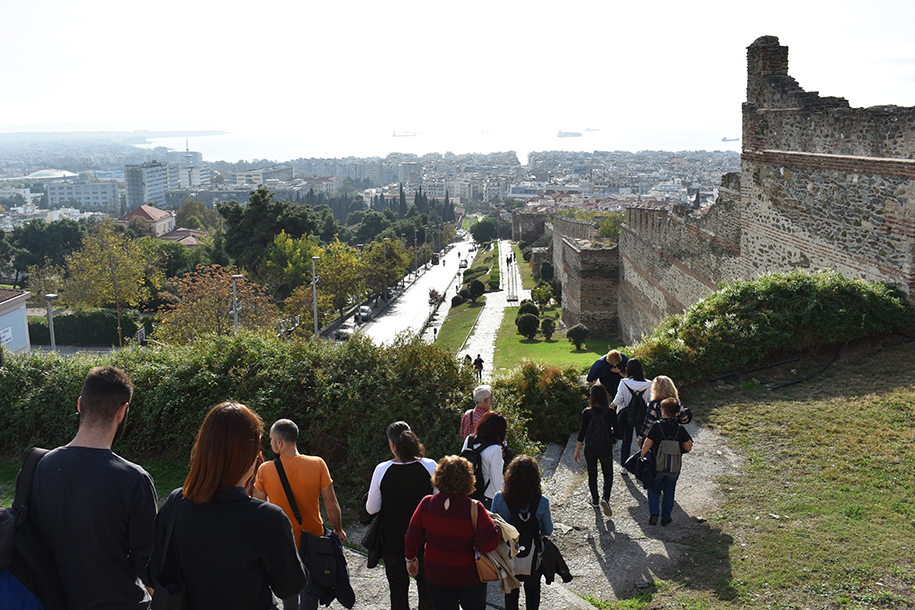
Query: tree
[[546, 272], [484, 230], [402, 208], [301, 303], [46, 279], [37, 240], [610, 226], [287, 263], [577, 335], [542, 295], [476, 290], [547, 327], [195, 209], [527, 306], [528, 325], [205, 305], [110, 268], [338, 274]]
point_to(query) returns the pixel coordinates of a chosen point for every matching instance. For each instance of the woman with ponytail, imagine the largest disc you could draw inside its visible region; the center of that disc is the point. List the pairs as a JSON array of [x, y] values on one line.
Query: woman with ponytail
[[397, 486]]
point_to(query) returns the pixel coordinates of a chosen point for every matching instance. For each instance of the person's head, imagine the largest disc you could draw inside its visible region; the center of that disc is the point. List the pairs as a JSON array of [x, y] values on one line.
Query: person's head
[[454, 476], [634, 370], [670, 407], [663, 387], [599, 396], [492, 427], [283, 433], [105, 392], [224, 452], [614, 357], [522, 482], [404, 443], [481, 394]]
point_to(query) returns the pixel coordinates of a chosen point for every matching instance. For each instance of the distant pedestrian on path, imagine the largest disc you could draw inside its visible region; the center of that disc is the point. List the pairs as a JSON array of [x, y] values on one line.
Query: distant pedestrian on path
[[478, 365]]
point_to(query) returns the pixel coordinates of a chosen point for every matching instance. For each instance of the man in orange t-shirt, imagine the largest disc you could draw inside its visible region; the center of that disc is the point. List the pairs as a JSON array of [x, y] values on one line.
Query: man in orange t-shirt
[[308, 477]]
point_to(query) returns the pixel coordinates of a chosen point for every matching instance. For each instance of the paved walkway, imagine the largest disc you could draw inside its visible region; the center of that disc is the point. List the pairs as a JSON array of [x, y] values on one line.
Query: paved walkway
[[483, 336]]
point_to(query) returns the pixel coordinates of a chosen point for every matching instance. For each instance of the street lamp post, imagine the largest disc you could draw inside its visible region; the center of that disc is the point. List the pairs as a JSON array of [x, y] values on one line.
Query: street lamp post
[[314, 292], [50, 298], [235, 278]]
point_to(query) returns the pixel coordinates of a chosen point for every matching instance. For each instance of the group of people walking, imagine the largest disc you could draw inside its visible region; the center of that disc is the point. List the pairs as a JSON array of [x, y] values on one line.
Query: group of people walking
[[644, 410]]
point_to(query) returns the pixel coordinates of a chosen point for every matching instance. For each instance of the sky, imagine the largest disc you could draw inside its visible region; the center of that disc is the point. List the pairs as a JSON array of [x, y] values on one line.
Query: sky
[[339, 78]]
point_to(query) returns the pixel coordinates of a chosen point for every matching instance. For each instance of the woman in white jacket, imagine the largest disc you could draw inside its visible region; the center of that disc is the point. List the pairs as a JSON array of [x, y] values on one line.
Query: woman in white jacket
[[634, 382], [489, 436]]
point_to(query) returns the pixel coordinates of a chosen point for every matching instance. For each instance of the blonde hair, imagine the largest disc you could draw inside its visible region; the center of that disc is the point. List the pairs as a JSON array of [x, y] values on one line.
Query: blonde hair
[[663, 387], [614, 357]]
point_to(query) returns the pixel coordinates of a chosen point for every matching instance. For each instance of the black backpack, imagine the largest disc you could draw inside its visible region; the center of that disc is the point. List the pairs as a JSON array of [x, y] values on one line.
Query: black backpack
[[599, 438], [530, 540], [636, 410], [475, 457], [28, 575]]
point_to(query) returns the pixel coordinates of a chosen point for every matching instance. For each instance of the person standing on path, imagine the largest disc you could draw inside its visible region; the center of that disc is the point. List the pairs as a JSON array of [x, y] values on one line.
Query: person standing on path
[[597, 431], [661, 494], [634, 382], [482, 397], [94, 510], [308, 477], [478, 365], [609, 370]]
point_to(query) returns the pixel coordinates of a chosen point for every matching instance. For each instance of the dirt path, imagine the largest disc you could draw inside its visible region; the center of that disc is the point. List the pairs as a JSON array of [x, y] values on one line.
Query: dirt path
[[610, 558]]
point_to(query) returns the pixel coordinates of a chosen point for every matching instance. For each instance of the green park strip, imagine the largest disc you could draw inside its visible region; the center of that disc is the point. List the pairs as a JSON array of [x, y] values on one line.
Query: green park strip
[[527, 275], [457, 325], [512, 348]]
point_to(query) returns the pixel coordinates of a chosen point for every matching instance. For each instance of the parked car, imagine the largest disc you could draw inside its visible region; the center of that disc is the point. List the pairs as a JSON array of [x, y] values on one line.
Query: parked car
[[364, 313], [463, 264]]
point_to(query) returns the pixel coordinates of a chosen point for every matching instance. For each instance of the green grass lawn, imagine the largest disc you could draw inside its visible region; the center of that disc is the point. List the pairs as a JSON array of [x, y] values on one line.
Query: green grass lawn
[[511, 347], [457, 325], [527, 275]]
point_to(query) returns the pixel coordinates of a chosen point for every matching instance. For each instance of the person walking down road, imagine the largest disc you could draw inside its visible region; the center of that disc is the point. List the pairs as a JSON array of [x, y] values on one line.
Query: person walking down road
[[94, 510], [308, 478], [442, 525], [478, 365], [397, 488], [522, 504], [662, 387], [669, 440], [633, 386], [229, 550], [598, 433]]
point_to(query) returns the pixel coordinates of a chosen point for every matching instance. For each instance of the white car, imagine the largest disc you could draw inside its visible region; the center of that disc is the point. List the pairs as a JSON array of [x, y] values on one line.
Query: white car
[[364, 313], [462, 264]]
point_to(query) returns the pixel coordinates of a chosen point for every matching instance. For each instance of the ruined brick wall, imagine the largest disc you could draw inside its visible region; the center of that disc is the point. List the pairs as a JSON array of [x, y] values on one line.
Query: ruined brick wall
[[670, 260], [579, 229], [821, 185], [527, 226]]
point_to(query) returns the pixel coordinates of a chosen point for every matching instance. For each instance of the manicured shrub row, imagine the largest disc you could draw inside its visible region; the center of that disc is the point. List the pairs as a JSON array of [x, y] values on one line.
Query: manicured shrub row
[[88, 327], [342, 395], [745, 324]]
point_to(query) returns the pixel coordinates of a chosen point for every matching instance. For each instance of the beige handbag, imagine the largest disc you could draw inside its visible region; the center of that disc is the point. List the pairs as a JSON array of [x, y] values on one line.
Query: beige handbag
[[486, 568]]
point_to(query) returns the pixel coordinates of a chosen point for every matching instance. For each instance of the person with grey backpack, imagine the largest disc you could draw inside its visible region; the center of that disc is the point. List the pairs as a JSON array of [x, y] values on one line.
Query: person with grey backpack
[[668, 440]]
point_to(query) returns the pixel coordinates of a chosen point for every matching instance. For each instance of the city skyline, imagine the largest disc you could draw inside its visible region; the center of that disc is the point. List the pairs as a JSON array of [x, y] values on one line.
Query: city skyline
[[321, 81]]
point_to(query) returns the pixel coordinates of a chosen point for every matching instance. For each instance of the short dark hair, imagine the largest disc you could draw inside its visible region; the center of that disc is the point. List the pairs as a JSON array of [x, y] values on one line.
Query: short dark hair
[[105, 390], [492, 427], [286, 430], [454, 476]]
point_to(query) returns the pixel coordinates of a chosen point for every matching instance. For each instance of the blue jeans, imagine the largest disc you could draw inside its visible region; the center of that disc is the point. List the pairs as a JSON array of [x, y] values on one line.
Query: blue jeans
[[307, 599], [471, 597], [626, 433], [662, 492]]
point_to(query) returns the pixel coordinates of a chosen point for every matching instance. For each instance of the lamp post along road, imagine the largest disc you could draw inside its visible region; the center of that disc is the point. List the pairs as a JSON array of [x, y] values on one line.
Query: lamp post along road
[[235, 299], [50, 298], [314, 292]]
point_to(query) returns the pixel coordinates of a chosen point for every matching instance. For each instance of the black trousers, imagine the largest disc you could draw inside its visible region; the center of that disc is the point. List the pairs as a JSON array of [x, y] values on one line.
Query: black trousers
[[606, 466], [395, 568], [531, 584]]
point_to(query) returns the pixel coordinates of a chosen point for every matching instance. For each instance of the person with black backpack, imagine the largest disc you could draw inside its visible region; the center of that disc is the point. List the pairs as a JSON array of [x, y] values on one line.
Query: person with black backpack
[[522, 504], [631, 401], [667, 440], [598, 433], [485, 453]]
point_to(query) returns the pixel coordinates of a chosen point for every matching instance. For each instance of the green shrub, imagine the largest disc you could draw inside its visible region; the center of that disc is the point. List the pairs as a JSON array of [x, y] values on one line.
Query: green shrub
[[457, 300], [549, 398], [746, 323], [528, 324], [577, 335], [87, 327], [547, 327], [527, 306]]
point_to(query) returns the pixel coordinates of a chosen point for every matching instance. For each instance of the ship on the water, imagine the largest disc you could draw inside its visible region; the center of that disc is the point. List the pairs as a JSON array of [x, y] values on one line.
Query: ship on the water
[[568, 134], [727, 139]]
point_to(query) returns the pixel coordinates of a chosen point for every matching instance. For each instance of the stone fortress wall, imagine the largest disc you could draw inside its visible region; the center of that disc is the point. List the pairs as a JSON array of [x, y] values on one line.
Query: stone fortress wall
[[821, 185]]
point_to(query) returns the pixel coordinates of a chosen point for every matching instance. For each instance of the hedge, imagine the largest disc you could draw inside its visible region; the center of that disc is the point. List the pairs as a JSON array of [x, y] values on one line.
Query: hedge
[[89, 327]]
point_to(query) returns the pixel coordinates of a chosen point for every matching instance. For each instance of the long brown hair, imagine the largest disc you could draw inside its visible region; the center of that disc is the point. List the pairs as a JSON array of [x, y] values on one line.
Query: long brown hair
[[522, 483], [227, 444]]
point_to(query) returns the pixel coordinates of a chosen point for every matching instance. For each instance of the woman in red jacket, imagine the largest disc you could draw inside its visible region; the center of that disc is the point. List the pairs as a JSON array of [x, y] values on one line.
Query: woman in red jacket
[[442, 523]]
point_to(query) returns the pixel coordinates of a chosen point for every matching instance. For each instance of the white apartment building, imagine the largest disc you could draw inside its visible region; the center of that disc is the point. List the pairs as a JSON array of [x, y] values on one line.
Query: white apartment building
[[193, 175], [147, 183], [84, 194]]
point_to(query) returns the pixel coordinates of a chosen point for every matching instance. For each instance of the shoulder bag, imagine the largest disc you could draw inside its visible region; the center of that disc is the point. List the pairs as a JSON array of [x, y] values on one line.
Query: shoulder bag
[[486, 568]]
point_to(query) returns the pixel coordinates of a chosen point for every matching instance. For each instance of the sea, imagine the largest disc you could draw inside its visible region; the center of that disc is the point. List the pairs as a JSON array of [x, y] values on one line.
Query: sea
[[254, 147]]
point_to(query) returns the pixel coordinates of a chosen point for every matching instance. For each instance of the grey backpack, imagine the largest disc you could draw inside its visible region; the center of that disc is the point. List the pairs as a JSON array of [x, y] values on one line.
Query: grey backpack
[[669, 454]]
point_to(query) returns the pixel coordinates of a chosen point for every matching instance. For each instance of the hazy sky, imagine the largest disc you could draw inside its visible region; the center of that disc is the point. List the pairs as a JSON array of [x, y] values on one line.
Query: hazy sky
[[342, 76]]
